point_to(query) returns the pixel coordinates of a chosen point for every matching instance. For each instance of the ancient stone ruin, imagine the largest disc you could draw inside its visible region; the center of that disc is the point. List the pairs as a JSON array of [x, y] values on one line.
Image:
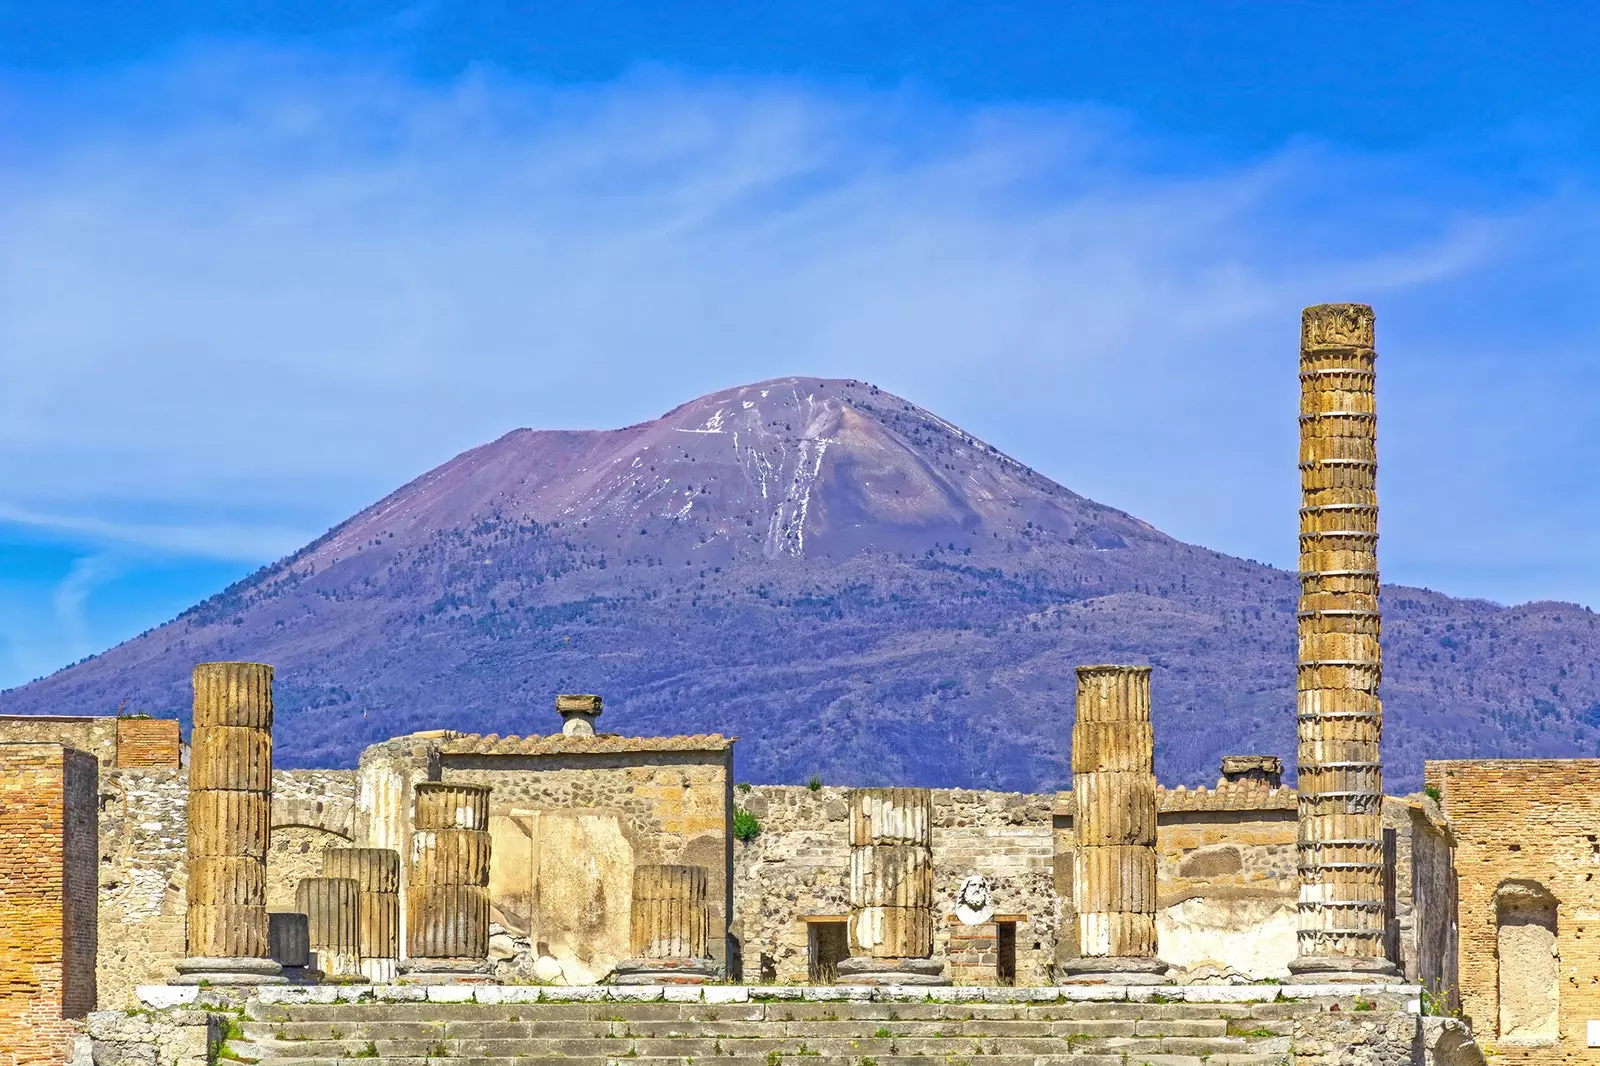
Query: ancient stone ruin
[[163, 904]]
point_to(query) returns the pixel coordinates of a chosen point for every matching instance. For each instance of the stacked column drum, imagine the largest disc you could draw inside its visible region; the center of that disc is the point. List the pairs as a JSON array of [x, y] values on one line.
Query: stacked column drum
[[447, 886], [230, 820], [891, 873], [332, 909], [669, 927], [1339, 716], [1114, 824], [671, 914], [376, 872]]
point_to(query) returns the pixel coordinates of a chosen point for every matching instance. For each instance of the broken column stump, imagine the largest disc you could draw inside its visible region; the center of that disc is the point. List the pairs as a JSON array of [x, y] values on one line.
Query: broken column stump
[[668, 928], [891, 889], [1339, 717], [230, 820], [376, 872], [447, 887], [1114, 823], [332, 909]]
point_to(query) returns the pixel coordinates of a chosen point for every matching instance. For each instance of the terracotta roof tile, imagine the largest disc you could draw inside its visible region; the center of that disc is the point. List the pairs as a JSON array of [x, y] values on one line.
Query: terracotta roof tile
[[560, 744]]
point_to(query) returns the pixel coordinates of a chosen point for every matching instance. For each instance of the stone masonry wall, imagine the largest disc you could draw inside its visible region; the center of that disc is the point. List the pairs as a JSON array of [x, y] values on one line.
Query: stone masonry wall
[[95, 735], [47, 892], [1225, 865], [798, 866], [673, 807], [144, 825], [1530, 827], [144, 872]]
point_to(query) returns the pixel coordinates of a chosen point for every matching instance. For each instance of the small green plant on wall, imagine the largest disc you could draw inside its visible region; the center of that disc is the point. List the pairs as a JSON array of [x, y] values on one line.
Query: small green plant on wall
[[745, 825]]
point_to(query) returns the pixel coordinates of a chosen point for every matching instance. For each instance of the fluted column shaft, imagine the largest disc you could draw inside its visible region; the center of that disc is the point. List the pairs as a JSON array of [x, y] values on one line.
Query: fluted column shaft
[[447, 886], [1339, 716], [891, 873], [1114, 816], [376, 872], [230, 810], [332, 906], [671, 913]]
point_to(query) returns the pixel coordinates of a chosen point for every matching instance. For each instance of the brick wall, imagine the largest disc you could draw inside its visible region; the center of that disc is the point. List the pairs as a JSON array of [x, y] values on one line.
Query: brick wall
[[148, 744], [47, 899], [1524, 827]]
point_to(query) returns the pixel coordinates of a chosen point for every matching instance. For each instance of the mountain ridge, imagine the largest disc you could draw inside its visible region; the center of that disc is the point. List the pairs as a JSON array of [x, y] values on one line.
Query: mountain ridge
[[855, 585]]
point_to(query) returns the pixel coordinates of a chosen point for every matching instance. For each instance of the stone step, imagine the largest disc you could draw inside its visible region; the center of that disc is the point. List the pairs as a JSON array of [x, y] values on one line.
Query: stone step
[[771, 1012], [1002, 1028], [475, 1046], [808, 1060]]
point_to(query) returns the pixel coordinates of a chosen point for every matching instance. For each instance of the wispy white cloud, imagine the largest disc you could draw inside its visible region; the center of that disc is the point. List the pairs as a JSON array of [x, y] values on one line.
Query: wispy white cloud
[[244, 282]]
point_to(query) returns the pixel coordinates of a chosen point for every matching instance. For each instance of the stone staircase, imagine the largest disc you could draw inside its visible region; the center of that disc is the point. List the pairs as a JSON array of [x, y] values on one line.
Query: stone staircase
[[783, 1032]]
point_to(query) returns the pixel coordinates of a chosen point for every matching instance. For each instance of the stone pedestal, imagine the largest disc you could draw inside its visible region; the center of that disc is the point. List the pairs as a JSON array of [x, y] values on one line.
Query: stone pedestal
[[376, 872], [1340, 719], [447, 889], [891, 889], [332, 909], [230, 819], [289, 945], [1114, 823], [668, 927], [974, 954]]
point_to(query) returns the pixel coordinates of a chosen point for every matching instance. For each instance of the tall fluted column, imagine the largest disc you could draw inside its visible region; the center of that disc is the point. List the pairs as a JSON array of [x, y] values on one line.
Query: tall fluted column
[[671, 916], [376, 872], [447, 886], [1340, 719], [1114, 826], [891, 888], [230, 818]]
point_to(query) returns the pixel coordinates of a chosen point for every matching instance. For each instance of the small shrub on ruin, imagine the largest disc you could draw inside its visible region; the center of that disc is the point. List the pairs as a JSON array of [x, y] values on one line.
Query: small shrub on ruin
[[745, 826], [815, 784]]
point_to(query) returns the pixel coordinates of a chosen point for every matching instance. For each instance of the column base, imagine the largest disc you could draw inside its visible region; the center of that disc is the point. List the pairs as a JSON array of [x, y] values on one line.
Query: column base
[[380, 971], [1344, 970], [202, 970], [1113, 970], [445, 972], [856, 970], [665, 972]]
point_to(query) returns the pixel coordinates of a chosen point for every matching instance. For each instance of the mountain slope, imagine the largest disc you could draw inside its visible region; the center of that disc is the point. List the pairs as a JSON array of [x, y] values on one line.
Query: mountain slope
[[850, 584]]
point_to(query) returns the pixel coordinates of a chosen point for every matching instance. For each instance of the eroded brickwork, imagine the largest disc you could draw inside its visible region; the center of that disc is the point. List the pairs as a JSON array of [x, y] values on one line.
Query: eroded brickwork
[[148, 744], [47, 899], [1527, 832]]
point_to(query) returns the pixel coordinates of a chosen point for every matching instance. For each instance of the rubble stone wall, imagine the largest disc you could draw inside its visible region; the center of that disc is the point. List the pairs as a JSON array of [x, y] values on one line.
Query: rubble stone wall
[[798, 866], [144, 876]]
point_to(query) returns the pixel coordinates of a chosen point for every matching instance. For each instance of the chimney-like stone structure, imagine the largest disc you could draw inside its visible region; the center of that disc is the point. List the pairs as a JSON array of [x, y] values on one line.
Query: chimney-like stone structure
[[447, 886], [1262, 771], [376, 872], [1114, 826], [230, 820], [671, 917], [1339, 717], [891, 889], [578, 714], [332, 906]]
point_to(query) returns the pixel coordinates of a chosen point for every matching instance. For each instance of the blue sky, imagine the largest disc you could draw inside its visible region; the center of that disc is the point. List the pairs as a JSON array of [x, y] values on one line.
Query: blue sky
[[259, 264]]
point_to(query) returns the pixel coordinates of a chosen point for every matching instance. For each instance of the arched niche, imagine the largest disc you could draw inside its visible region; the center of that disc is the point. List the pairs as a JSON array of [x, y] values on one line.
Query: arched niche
[[1529, 963]]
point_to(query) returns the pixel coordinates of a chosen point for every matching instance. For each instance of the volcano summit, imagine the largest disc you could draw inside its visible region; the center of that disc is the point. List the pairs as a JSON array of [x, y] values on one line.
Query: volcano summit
[[852, 585]]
